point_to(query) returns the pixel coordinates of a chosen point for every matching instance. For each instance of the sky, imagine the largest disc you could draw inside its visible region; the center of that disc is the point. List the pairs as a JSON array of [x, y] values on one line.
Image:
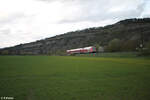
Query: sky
[[24, 21]]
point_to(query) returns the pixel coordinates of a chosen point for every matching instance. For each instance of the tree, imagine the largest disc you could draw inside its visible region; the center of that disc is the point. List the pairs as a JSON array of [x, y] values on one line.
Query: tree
[[114, 45], [97, 47], [146, 50], [5, 52], [148, 45], [129, 45]]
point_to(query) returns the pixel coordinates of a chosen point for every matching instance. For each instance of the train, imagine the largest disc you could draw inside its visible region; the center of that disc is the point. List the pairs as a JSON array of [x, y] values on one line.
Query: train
[[90, 49]]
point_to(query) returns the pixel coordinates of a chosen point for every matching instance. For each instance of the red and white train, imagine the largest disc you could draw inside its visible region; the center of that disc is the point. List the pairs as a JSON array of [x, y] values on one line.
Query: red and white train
[[90, 49]]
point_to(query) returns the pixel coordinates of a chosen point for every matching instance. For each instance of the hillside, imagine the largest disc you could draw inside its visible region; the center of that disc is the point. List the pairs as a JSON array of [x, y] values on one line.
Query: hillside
[[129, 30]]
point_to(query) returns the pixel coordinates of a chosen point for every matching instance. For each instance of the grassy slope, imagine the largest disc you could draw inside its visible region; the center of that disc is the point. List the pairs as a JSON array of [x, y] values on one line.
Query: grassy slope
[[74, 78]]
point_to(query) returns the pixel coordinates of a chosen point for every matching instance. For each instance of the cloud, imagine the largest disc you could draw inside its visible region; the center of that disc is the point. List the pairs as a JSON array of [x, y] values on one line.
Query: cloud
[[23, 21], [146, 13], [100, 10], [11, 18], [5, 31]]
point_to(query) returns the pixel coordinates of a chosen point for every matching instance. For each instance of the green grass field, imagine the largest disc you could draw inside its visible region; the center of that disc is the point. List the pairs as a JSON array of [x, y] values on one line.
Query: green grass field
[[74, 78]]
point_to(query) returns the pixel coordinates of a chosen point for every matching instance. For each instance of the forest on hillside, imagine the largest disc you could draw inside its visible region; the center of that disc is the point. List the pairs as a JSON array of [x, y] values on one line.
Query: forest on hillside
[[128, 35]]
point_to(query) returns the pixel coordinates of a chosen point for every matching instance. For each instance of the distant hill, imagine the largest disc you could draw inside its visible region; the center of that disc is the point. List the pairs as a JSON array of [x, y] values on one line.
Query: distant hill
[[125, 30]]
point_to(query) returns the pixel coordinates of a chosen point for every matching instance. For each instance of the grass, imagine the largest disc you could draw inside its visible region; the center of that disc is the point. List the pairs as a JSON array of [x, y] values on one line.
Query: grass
[[74, 78], [114, 54]]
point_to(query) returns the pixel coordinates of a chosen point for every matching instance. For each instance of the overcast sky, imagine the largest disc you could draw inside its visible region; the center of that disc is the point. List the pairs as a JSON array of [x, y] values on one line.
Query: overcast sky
[[23, 21]]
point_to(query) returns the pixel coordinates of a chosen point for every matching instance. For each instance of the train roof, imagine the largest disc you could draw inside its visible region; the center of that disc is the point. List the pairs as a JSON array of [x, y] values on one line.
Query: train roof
[[80, 48]]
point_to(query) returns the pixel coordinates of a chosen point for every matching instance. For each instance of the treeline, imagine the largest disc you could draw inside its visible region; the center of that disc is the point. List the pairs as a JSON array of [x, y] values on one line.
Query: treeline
[[117, 45]]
